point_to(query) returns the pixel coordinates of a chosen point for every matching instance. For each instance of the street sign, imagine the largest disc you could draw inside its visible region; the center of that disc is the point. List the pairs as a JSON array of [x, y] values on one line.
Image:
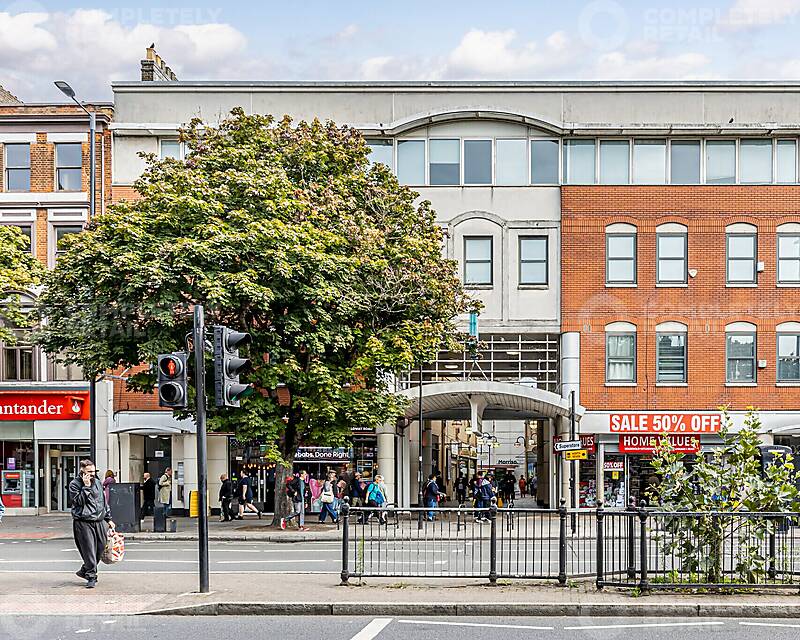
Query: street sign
[[580, 454], [567, 445]]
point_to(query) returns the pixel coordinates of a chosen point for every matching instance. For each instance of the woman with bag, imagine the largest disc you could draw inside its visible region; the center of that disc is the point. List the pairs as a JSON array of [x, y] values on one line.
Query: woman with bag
[[327, 498]]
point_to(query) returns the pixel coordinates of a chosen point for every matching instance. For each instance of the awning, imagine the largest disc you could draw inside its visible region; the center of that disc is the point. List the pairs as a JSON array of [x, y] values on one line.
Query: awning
[[150, 423]]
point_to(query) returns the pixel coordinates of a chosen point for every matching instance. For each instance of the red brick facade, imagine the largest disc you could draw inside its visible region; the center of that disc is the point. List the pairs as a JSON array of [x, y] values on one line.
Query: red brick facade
[[706, 305]]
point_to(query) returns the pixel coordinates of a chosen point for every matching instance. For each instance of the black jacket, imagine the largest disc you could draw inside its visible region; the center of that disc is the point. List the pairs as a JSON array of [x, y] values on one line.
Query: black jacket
[[88, 503], [225, 490], [149, 490]]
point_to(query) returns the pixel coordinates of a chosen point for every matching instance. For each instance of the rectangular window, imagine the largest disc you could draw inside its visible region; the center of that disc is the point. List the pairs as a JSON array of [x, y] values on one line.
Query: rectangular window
[[684, 162], [614, 162], [27, 231], [62, 231], [741, 250], [61, 371], [544, 162], [171, 149], [720, 161], [671, 252], [755, 161], [788, 357], [579, 162], [621, 258], [477, 162], [621, 357], [511, 162], [411, 162], [381, 151], [445, 162], [786, 161], [16, 360], [478, 260], [533, 260], [741, 355], [789, 258], [68, 166], [18, 167], [671, 357], [649, 161]]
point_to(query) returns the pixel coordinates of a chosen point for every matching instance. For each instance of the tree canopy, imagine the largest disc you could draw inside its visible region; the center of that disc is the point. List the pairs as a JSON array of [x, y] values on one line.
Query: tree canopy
[[20, 272], [281, 229]]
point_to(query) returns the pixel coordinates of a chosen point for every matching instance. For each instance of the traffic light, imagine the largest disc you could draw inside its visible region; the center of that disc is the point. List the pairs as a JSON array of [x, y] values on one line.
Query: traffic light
[[228, 391], [172, 382]]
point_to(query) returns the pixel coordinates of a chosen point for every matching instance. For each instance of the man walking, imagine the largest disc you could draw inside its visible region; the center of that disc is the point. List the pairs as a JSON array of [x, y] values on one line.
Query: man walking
[[461, 490], [296, 490], [165, 491], [91, 518], [148, 496], [431, 495], [225, 495], [246, 496]]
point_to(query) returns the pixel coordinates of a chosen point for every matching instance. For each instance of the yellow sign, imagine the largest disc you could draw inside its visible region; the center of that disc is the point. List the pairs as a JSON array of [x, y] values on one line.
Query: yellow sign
[[580, 454]]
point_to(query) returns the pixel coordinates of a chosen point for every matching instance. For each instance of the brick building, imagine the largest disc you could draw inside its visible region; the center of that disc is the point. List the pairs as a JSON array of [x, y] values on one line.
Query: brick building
[[44, 190]]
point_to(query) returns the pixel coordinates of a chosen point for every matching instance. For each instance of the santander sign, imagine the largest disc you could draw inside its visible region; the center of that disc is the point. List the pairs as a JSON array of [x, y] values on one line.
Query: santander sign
[[44, 406]]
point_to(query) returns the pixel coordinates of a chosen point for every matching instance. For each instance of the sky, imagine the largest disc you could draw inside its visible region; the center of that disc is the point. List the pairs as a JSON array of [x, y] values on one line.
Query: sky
[[90, 44]]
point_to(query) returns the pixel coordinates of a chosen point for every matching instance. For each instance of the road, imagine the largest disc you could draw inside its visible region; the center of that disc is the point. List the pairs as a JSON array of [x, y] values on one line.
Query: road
[[346, 628]]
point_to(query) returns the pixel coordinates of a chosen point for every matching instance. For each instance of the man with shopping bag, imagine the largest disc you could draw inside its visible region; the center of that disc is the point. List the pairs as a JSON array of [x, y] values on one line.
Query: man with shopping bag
[[91, 518]]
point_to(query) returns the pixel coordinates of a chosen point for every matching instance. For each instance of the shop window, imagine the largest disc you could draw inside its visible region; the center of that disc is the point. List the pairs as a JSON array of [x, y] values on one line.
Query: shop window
[[684, 162], [741, 254], [720, 161], [411, 162], [621, 254], [18, 167], [649, 161], [786, 161], [381, 151], [445, 162], [755, 161], [789, 258], [740, 353], [614, 162], [69, 163], [671, 254], [477, 162], [579, 161], [789, 357], [620, 353], [544, 161], [511, 160], [671, 354], [533, 260], [478, 260]]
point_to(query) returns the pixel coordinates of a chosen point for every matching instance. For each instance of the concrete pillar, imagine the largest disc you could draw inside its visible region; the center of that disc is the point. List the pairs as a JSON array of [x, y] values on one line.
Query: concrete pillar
[[403, 474], [386, 458], [570, 382], [105, 416], [189, 458], [427, 449]]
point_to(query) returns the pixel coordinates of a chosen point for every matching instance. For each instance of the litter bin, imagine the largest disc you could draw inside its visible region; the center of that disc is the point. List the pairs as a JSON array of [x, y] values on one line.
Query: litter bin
[[123, 499]]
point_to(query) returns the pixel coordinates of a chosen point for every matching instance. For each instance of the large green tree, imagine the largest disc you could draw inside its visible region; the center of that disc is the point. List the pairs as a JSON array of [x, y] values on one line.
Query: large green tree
[[20, 272], [280, 229]]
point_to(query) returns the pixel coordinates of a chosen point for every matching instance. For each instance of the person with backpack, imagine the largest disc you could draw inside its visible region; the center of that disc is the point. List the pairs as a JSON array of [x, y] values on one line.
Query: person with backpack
[[376, 497], [432, 496], [483, 498], [296, 490]]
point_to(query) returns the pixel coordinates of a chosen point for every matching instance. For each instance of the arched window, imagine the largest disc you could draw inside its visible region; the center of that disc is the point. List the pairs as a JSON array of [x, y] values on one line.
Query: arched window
[[671, 253], [620, 352], [741, 243], [788, 348], [671, 361], [740, 352], [789, 253], [621, 254]]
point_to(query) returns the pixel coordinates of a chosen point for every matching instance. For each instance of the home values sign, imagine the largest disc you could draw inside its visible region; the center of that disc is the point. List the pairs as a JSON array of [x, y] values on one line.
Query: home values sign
[[567, 445]]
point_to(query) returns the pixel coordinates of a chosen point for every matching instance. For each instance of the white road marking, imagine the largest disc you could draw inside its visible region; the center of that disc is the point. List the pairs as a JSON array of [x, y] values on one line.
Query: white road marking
[[770, 624], [372, 629], [645, 625], [270, 561], [109, 622], [83, 631], [475, 624]]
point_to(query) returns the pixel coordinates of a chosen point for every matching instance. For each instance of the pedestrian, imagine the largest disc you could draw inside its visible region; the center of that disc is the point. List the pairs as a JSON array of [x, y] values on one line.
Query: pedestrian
[[522, 486], [165, 491], [2, 508], [356, 490], [107, 482], [328, 498], [246, 497], [461, 490], [483, 498], [91, 518], [376, 498], [432, 496], [148, 488], [296, 489], [225, 495]]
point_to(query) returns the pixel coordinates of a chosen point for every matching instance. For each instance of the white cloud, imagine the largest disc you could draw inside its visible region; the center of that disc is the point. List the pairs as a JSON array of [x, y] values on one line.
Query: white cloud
[[618, 65], [752, 14]]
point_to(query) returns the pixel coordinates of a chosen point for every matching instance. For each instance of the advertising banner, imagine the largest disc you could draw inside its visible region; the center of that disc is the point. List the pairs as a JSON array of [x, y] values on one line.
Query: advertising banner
[[665, 422], [44, 406], [648, 443]]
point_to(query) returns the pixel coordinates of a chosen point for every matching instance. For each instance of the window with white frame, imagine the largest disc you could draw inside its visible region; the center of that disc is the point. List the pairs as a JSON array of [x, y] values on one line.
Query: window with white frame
[[411, 162], [684, 162], [511, 161], [533, 260], [720, 161], [477, 162], [18, 356], [60, 232], [788, 351], [621, 254], [671, 253], [381, 151], [620, 352], [741, 253], [614, 162], [755, 161], [61, 371], [740, 352], [27, 230], [671, 352], [579, 161], [478, 258], [444, 163], [789, 253], [69, 163], [786, 161], [18, 167], [171, 149], [649, 161]]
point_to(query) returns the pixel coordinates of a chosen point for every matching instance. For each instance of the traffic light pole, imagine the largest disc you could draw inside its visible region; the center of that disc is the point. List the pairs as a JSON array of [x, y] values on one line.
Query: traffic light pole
[[202, 471]]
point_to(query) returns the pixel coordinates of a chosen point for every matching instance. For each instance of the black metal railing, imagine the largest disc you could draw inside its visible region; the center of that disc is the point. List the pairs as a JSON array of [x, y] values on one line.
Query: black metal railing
[[634, 548]]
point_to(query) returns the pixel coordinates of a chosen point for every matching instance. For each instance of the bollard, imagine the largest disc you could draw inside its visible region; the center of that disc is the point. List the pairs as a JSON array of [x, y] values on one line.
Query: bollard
[[632, 539], [771, 572], [345, 540], [600, 544], [644, 583], [562, 542], [493, 542]]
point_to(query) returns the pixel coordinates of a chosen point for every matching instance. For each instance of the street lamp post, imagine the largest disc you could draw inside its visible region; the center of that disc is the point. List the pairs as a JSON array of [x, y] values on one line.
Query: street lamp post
[[420, 479], [68, 91]]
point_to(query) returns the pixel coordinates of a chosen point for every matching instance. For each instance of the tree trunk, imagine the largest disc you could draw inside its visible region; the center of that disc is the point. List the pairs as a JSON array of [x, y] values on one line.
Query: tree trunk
[[283, 473]]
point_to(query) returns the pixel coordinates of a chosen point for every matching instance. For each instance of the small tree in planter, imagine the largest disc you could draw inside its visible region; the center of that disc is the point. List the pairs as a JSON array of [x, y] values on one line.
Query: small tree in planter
[[730, 479]]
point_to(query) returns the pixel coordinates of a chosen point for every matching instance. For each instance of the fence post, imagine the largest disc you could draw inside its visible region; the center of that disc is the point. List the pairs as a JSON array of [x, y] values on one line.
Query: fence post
[[562, 542], [600, 546], [644, 583], [771, 570], [493, 542], [632, 539], [345, 540]]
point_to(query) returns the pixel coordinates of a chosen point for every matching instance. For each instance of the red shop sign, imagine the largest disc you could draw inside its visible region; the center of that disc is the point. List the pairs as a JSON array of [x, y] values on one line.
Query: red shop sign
[[667, 422], [44, 406], [648, 443], [588, 441]]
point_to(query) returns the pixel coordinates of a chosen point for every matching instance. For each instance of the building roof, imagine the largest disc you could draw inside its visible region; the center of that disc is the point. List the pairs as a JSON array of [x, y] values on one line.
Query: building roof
[[6, 97]]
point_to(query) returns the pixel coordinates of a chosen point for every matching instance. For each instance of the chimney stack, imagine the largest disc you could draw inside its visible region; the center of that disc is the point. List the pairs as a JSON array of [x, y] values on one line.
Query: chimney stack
[[154, 69]]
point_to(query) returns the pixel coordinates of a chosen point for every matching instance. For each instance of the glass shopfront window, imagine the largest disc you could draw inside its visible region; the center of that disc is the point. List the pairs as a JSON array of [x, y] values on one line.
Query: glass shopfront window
[[17, 473]]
